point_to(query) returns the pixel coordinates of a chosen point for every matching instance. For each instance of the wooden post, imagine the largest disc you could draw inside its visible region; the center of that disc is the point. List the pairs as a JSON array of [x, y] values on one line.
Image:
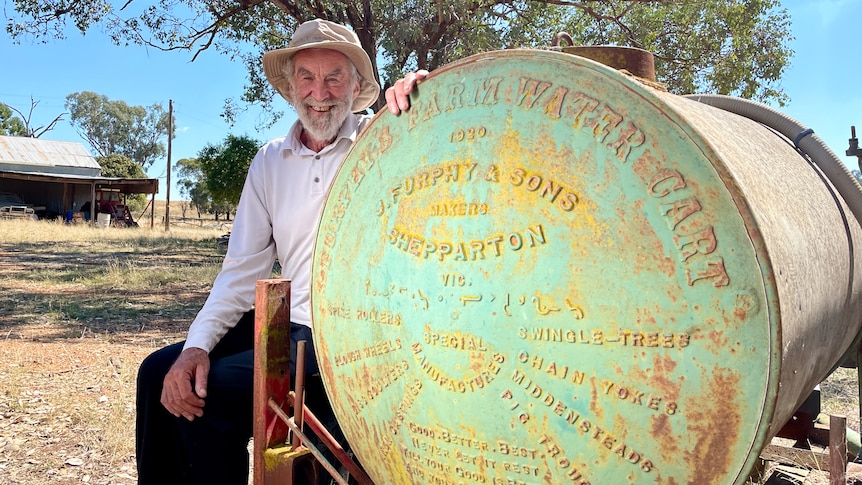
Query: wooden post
[[837, 450], [152, 210], [94, 209], [271, 371], [299, 390]]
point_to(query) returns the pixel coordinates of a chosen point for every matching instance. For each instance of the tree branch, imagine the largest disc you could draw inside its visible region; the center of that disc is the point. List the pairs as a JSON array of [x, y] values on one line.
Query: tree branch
[[208, 32], [50, 126], [35, 132], [69, 9]]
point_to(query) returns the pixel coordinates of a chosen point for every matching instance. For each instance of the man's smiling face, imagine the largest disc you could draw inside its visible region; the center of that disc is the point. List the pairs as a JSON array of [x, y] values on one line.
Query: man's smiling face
[[324, 86]]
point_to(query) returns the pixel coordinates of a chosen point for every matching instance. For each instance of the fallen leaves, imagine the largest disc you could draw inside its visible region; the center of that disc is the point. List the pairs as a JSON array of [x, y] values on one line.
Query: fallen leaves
[[75, 426]]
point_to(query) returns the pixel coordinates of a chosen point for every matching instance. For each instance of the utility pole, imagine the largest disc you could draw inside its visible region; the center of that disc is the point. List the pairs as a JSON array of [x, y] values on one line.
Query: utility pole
[[168, 180]]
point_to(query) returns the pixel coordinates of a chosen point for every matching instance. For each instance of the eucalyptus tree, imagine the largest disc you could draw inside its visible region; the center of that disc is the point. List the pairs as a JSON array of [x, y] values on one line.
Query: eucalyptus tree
[[114, 127], [121, 166], [737, 47]]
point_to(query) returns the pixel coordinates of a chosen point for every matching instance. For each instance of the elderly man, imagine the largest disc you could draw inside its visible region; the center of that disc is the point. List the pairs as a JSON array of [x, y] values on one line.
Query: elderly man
[[194, 399]]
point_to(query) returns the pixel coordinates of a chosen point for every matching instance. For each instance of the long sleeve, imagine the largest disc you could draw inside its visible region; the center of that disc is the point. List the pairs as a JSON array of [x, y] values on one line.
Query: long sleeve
[[250, 256]]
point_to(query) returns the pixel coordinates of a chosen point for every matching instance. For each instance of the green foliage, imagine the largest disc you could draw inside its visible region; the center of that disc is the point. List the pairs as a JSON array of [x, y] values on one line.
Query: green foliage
[[733, 47], [114, 127], [120, 166], [123, 167], [192, 184], [225, 167], [737, 47], [10, 124]]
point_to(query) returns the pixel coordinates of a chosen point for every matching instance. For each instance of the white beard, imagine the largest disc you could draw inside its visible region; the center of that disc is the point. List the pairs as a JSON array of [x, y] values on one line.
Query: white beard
[[323, 126]]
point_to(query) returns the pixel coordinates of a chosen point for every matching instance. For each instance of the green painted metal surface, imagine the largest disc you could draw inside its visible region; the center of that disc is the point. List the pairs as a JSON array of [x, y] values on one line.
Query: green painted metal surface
[[538, 275]]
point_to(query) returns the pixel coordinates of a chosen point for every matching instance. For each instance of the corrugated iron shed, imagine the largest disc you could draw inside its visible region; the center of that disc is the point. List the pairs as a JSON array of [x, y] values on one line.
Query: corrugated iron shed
[[25, 154], [59, 175]]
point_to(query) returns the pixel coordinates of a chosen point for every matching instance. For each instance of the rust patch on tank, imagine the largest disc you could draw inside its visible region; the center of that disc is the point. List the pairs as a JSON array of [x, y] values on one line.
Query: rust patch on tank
[[661, 430], [714, 423], [595, 389]]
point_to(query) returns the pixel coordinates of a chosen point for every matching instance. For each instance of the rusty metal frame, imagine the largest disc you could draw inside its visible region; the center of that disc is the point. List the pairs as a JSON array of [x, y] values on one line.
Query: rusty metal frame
[[832, 459], [277, 460]]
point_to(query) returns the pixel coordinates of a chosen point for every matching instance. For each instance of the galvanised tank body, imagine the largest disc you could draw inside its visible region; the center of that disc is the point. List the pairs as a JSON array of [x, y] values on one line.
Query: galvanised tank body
[[548, 271]]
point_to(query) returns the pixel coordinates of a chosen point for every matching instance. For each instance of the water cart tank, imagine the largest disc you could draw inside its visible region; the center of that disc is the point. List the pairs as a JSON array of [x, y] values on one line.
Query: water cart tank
[[550, 272]]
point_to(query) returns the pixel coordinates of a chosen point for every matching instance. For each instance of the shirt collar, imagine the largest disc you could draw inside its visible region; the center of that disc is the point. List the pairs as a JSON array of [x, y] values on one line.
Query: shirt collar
[[349, 130]]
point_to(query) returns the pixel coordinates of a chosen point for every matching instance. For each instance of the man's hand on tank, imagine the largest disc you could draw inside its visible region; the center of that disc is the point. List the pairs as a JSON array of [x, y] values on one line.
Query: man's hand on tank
[[398, 96], [185, 385]]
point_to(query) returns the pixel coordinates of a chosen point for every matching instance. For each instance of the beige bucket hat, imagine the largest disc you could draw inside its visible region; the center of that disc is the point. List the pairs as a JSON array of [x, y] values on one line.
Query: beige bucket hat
[[322, 34]]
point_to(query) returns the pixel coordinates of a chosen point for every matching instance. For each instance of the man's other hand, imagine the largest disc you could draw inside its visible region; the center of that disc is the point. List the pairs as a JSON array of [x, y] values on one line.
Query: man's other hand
[[398, 96], [185, 385]]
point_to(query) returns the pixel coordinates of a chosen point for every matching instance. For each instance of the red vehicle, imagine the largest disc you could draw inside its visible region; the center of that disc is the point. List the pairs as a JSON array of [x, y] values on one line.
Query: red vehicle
[[108, 202]]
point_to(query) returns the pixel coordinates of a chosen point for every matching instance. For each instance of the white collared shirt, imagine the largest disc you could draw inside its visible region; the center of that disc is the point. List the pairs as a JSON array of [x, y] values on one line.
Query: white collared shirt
[[277, 215]]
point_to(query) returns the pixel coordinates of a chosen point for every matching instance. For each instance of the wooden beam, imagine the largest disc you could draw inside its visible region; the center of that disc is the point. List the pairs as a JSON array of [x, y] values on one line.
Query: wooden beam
[[811, 459]]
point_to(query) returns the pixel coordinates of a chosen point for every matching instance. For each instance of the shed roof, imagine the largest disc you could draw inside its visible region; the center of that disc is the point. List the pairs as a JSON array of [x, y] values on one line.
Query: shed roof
[[45, 153], [126, 186]]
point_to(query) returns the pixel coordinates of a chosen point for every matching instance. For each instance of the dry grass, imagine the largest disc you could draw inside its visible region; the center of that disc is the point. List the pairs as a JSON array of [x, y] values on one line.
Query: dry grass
[[80, 307]]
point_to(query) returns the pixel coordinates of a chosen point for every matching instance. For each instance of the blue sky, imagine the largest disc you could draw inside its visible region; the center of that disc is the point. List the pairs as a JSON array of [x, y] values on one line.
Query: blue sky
[[824, 81]]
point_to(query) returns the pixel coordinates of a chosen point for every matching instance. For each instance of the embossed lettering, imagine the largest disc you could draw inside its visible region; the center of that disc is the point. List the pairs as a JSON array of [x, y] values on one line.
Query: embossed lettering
[[554, 106], [678, 211], [708, 270], [604, 121], [544, 188], [702, 242], [599, 337], [530, 90], [630, 137], [636, 397], [581, 104], [475, 250], [683, 214], [664, 182], [486, 92]]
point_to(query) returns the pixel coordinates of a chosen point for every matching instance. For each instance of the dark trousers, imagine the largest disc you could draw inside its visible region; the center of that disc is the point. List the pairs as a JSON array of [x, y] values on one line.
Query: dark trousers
[[213, 448]]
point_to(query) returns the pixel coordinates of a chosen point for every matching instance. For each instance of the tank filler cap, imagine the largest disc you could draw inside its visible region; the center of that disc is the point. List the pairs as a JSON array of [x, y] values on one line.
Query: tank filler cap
[[638, 62]]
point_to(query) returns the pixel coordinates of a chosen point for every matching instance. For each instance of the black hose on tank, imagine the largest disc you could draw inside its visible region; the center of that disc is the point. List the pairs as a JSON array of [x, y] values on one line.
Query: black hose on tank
[[815, 149], [802, 137]]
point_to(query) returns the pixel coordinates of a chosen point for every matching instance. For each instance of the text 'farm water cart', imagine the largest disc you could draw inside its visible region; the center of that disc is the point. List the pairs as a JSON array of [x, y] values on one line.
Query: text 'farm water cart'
[[552, 271]]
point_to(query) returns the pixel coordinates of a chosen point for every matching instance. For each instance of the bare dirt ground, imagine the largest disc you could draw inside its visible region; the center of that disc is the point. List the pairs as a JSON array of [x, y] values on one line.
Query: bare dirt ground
[[69, 355]]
